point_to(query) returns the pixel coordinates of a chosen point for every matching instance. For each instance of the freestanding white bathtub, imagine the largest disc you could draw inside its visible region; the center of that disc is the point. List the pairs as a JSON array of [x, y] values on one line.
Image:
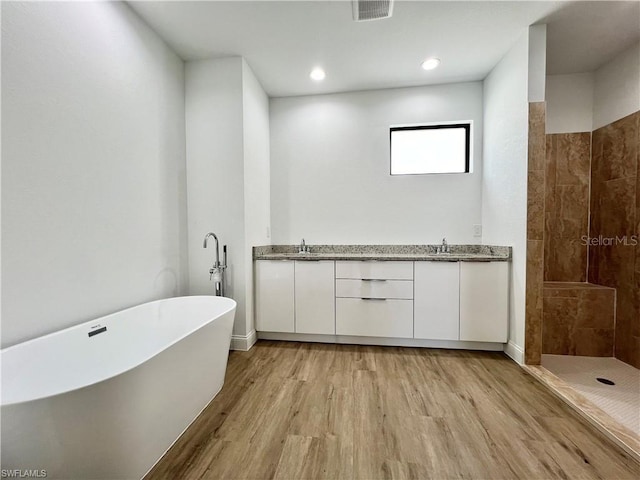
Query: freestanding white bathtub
[[107, 398]]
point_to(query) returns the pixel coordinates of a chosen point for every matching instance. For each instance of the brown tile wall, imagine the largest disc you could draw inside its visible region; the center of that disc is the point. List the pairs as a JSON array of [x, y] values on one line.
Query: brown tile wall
[[567, 176], [578, 319], [535, 233], [615, 212]]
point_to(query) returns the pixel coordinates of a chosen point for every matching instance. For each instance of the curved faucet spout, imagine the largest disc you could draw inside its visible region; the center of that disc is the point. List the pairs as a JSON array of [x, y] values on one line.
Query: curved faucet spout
[[204, 245]]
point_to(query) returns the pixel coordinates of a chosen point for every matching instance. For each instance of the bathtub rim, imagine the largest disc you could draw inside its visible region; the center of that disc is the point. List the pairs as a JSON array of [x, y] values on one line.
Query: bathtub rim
[[231, 306]]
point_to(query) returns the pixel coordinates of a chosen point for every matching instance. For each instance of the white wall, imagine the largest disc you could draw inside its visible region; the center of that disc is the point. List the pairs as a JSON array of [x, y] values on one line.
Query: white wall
[[330, 180], [227, 175], [257, 217], [617, 88], [537, 62], [569, 103], [504, 183], [215, 174], [93, 182], [582, 102]]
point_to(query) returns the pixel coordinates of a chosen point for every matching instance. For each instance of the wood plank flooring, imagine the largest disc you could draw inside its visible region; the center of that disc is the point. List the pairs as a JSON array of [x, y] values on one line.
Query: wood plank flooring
[[295, 411]]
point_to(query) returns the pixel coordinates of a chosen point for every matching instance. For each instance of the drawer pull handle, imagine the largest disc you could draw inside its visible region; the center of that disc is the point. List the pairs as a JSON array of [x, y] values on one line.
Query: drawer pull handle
[[368, 298], [373, 280]]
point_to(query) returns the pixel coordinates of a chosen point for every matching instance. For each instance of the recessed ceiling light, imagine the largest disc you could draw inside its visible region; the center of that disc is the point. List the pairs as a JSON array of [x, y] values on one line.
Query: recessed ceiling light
[[430, 63], [317, 74]]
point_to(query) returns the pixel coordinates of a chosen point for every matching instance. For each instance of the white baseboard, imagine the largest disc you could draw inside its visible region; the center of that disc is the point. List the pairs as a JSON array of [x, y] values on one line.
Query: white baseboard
[[395, 342], [244, 342], [514, 352]]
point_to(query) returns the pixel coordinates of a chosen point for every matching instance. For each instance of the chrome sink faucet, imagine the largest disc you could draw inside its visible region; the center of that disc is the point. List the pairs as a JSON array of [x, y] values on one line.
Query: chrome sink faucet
[[444, 248], [304, 248]]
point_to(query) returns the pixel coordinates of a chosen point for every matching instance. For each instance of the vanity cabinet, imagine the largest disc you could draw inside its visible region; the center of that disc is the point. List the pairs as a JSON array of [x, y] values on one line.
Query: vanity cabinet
[[374, 299], [274, 294], [414, 303], [315, 297], [437, 300], [484, 301]]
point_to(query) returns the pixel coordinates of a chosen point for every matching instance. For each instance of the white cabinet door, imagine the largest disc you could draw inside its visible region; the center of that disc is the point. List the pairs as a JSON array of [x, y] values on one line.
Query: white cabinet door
[[484, 301], [274, 295], [437, 300], [315, 297]]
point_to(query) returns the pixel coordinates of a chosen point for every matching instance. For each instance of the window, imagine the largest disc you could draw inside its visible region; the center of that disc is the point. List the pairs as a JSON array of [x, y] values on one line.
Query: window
[[423, 149]]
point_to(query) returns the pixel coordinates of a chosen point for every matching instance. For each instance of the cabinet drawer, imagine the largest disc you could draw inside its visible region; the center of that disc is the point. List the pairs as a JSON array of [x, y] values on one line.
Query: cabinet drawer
[[401, 289], [377, 270], [374, 318]]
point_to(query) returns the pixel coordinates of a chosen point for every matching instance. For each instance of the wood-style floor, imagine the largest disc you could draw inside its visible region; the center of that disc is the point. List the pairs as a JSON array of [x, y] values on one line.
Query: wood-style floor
[[304, 411]]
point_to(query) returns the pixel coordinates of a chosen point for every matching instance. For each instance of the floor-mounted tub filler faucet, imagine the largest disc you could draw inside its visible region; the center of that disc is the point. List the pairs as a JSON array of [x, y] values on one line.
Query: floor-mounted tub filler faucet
[[216, 273]]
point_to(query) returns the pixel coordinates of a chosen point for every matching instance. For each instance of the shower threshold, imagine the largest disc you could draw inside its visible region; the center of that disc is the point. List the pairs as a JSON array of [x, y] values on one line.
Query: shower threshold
[[612, 409]]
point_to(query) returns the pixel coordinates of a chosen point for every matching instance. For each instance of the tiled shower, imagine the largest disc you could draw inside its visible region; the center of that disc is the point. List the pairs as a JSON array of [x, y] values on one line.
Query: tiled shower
[[591, 289], [592, 215]]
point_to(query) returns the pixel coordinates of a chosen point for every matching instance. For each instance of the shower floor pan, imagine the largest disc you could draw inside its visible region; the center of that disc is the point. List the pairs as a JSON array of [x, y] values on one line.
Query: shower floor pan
[[620, 401]]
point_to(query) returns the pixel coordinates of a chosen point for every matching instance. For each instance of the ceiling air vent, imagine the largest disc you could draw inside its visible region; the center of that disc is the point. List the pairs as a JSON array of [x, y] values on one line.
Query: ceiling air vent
[[371, 9]]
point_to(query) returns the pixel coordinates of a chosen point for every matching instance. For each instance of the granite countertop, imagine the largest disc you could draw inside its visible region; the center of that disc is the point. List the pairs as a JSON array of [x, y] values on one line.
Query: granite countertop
[[459, 253]]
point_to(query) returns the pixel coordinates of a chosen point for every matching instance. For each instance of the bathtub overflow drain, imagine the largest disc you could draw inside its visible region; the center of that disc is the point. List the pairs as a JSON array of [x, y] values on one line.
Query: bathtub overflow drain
[[606, 381]]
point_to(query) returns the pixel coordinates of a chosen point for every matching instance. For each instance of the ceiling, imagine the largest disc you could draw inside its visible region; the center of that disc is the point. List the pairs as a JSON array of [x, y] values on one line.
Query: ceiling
[[585, 35], [283, 40]]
